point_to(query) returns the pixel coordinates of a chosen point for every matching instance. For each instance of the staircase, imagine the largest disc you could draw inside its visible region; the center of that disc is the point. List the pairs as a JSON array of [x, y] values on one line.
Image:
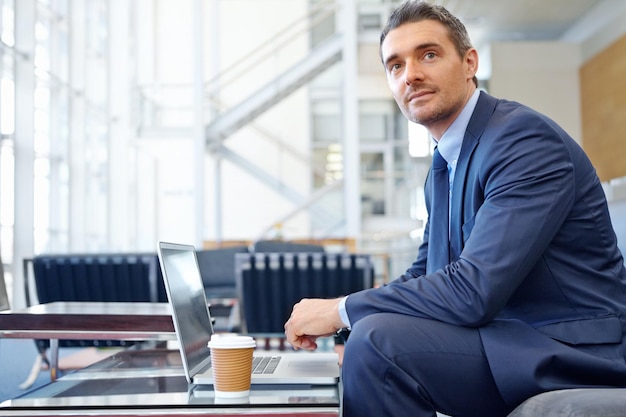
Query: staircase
[[321, 58], [228, 120]]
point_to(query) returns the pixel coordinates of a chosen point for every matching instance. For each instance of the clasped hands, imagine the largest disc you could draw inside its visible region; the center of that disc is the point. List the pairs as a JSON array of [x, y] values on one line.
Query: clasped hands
[[310, 319]]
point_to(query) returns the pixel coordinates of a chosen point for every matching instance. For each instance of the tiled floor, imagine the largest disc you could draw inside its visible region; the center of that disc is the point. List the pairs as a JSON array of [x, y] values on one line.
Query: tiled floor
[[18, 357]]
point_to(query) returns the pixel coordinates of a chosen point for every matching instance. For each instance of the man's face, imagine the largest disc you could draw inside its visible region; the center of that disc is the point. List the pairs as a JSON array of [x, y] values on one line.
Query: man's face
[[429, 80]]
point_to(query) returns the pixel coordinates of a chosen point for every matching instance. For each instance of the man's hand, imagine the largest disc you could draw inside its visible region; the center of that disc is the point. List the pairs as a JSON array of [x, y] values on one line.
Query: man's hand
[[310, 319]]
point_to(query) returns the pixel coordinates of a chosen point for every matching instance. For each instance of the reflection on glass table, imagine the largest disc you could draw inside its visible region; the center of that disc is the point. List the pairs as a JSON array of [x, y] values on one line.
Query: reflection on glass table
[[137, 379]]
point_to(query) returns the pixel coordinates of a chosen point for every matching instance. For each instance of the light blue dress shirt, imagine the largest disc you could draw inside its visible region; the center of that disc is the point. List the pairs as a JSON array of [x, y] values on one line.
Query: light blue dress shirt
[[449, 147]]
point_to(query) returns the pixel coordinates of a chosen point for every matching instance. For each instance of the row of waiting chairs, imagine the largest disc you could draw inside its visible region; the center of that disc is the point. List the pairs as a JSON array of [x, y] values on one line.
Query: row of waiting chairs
[[126, 277], [266, 285]]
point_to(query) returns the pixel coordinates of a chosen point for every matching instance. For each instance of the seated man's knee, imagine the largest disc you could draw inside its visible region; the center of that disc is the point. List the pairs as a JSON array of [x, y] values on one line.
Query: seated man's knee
[[375, 331], [389, 333]]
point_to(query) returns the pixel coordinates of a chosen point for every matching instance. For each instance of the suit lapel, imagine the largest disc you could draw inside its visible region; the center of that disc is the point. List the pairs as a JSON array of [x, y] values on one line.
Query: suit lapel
[[482, 113]]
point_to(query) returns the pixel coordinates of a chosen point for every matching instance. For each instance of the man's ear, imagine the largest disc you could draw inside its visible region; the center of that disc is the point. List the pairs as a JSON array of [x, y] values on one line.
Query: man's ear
[[471, 62]]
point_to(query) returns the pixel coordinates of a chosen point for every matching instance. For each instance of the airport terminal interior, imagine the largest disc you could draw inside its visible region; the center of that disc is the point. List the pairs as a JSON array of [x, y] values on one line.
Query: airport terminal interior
[[223, 123]]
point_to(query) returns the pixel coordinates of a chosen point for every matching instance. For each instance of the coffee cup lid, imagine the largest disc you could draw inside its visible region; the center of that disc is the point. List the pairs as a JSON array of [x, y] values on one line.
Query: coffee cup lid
[[231, 341]]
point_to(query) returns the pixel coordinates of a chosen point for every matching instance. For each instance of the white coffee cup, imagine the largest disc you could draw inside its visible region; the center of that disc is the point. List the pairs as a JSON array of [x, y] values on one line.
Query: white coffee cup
[[231, 362]]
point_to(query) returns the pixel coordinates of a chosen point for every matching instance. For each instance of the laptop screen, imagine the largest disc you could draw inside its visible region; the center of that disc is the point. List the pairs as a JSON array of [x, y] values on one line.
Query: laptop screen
[[189, 306]]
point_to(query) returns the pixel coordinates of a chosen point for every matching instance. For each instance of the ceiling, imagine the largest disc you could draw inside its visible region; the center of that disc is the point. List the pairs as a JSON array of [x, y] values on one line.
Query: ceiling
[[510, 20], [489, 21]]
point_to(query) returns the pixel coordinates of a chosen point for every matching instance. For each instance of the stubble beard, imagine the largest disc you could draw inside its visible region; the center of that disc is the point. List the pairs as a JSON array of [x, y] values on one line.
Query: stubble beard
[[428, 116]]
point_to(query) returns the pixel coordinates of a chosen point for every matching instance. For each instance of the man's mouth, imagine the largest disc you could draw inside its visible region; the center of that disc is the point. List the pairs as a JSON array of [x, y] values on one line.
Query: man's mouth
[[419, 95]]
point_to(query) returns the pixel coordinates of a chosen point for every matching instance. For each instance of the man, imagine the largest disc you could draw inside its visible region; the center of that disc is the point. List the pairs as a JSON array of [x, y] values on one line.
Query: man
[[532, 294]]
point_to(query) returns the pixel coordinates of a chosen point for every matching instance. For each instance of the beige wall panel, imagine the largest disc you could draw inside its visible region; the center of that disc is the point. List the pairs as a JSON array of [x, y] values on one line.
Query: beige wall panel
[[603, 102], [542, 75]]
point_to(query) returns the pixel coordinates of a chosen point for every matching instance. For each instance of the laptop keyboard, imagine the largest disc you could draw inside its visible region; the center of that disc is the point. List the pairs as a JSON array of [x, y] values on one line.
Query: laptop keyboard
[[265, 364]]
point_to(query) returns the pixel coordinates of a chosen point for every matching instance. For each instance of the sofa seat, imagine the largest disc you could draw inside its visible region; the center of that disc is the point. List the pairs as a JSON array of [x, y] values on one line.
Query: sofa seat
[[583, 402]]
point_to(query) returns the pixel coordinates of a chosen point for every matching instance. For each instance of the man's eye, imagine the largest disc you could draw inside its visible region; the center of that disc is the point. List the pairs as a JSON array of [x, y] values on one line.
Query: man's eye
[[430, 55], [394, 67]]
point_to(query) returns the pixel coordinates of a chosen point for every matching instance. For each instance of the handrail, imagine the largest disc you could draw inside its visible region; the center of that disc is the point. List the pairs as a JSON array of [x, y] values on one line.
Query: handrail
[[316, 196], [273, 44]]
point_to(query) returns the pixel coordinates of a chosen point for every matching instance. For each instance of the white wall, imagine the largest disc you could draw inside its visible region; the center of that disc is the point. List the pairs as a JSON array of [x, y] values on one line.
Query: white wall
[[542, 75]]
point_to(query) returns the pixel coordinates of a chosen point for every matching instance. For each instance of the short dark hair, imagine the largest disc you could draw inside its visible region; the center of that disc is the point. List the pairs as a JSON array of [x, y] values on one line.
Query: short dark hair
[[416, 10]]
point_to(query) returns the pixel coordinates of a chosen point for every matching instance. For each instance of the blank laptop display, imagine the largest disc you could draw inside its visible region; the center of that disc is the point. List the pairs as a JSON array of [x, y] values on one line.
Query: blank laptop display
[[192, 322]]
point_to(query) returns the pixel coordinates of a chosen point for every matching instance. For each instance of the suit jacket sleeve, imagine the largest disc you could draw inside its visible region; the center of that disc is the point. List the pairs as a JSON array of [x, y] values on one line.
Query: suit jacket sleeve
[[418, 268]]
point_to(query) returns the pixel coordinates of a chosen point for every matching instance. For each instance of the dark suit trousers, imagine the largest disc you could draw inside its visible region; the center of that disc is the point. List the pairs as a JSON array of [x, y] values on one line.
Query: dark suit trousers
[[396, 365]]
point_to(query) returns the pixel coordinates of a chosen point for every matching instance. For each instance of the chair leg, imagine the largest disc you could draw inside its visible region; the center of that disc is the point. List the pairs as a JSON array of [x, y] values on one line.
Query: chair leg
[[40, 359]]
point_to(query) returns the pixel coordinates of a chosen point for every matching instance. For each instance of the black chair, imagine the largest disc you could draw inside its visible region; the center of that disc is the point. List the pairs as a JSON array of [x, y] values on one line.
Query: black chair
[[107, 277], [217, 267], [121, 277], [269, 284]]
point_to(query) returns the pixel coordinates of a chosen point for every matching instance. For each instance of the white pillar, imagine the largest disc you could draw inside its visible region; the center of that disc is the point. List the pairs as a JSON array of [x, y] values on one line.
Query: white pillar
[[214, 89], [199, 139], [77, 181], [350, 128], [24, 144], [120, 132]]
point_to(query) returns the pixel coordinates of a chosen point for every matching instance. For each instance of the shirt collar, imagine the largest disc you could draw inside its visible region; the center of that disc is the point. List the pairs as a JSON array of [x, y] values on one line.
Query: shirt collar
[[450, 148]]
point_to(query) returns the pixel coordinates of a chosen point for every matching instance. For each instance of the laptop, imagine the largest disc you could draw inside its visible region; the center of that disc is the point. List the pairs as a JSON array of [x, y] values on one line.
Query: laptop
[[193, 325]]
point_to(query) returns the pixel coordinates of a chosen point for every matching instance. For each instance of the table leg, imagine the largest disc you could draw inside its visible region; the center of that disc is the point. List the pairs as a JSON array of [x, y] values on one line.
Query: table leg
[[54, 358]]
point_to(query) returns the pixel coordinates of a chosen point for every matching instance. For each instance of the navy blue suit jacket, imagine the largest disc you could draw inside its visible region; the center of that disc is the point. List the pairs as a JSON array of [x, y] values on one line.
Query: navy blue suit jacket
[[535, 264]]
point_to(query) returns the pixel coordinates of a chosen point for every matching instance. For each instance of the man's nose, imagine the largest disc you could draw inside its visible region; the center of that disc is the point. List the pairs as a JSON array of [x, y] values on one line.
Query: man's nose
[[413, 73]]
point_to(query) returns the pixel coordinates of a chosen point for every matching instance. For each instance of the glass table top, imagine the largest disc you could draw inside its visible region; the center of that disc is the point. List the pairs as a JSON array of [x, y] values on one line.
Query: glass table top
[[153, 378]]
